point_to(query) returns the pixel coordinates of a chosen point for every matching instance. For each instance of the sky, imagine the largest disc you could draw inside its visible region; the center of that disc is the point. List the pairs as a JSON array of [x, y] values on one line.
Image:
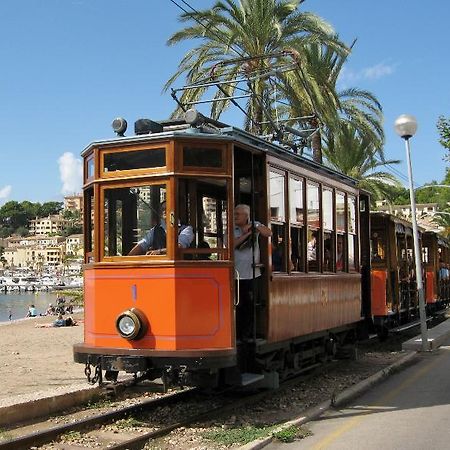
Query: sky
[[69, 67]]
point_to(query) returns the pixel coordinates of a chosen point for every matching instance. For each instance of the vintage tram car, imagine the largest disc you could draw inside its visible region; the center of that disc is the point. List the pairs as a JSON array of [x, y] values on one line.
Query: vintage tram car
[[436, 261], [172, 313], [394, 296]]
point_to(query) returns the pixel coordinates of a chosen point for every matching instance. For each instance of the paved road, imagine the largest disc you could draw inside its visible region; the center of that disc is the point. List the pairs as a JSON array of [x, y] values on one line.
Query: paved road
[[411, 410]]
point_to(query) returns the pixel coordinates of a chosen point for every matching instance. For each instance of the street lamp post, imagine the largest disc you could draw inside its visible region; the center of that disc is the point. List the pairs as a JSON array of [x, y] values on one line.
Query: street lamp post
[[406, 127]]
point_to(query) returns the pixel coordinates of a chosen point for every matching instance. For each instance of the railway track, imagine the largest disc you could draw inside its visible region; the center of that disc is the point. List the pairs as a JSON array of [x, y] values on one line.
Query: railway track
[[132, 426]]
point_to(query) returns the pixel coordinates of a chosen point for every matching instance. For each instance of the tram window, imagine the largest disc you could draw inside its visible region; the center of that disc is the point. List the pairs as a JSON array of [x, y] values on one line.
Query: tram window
[[340, 212], [378, 246], [351, 215], [296, 191], [340, 253], [327, 209], [202, 157], [297, 249], [89, 232], [313, 205], [328, 251], [352, 241], [203, 205], [90, 168], [278, 248], [425, 255], [351, 252], [131, 214], [277, 197], [328, 226], [278, 220], [313, 250], [134, 159]]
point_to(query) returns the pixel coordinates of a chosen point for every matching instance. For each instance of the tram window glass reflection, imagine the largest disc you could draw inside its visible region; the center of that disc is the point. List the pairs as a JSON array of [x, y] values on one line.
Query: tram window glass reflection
[[327, 209], [351, 214], [278, 248], [297, 249], [378, 246], [134, 159], [296, 190], [340, 212], [328, 227], [313, 250], [202, 204], [278, 220], [341, 254], [132, 213], [277, 196], [89, 232], [202, 157], [425, 255], [90, 168], [328, 251], [351, 252], [312, 196], [351, 239]]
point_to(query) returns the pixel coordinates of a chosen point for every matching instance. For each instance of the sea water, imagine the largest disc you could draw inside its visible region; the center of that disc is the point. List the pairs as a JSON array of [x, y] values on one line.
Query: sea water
[[17, 304]]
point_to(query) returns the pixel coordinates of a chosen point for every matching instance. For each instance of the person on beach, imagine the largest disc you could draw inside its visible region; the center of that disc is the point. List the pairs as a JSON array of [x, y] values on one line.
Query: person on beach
[[10, 314], [59, 322], [32, 312]]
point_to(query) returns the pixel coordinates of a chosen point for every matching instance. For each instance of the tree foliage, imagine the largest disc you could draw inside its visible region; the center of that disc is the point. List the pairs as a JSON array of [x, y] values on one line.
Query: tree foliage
[[356, 156], [15, 216], [232, 30], [443, 126]]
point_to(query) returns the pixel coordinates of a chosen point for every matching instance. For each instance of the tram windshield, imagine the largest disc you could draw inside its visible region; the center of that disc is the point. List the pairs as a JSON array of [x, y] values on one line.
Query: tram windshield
[[135, 215]]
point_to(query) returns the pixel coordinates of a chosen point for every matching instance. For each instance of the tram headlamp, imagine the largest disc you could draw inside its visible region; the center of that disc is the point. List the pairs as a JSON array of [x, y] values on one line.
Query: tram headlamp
[[130, 324], [119, 126]]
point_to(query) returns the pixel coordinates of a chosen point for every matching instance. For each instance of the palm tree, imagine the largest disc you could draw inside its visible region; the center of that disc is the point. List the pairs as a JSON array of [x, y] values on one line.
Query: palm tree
[[314, 92], [356, 156], [442, 218], [232, 30]]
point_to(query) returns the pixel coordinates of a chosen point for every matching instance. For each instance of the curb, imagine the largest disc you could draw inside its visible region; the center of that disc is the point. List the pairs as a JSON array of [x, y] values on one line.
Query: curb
[[337, 400], [47, 405]]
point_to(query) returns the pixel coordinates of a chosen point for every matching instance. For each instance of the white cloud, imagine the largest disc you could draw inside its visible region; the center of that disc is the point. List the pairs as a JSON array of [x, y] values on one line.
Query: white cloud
[[349, 77], [5, 191], [378, 71], [71, 173]]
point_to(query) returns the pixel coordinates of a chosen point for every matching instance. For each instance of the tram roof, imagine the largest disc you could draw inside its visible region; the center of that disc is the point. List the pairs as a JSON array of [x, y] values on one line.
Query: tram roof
[[224, 133]]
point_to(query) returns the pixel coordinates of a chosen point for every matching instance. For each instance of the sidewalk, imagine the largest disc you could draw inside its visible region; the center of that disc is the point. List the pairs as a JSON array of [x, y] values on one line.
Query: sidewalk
[[346, 421]]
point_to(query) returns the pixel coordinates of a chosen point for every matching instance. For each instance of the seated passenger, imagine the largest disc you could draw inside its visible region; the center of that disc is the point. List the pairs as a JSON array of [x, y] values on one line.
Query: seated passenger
[[154, 242]]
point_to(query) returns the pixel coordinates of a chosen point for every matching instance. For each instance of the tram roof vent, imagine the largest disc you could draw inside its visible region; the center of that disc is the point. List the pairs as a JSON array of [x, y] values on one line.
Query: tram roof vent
[[147, 126]]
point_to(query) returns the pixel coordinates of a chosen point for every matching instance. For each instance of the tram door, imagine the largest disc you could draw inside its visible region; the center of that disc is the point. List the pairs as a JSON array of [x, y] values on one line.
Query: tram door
[[250, 188]]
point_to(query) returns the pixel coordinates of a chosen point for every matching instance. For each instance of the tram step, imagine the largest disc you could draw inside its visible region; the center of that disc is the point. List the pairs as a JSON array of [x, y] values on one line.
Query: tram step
[[248, 378]]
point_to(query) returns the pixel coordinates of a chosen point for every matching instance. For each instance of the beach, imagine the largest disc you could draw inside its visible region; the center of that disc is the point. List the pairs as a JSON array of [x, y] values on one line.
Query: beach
[[37, 362]]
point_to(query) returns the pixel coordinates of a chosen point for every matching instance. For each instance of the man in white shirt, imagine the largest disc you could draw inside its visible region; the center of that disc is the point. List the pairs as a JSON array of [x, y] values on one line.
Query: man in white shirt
[[246, 251], [154, 242]]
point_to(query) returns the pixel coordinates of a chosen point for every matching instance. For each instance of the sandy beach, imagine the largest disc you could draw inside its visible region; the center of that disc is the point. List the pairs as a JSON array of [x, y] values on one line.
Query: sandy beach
[[37, 362]]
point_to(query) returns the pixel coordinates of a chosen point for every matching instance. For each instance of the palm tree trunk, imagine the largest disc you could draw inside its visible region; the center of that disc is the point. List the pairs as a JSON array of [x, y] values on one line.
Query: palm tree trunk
[[316, 142]]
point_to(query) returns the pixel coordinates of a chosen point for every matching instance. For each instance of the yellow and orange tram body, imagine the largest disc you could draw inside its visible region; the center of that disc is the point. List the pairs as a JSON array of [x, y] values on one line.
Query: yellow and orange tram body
[[172, 313]]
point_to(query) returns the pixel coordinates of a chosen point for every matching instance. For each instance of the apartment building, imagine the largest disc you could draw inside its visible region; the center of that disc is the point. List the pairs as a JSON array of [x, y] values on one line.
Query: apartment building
[[47, 225]]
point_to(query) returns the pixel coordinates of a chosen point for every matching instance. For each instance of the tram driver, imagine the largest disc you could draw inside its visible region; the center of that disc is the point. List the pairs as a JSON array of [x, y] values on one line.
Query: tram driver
[[249, 276], [154, 242]]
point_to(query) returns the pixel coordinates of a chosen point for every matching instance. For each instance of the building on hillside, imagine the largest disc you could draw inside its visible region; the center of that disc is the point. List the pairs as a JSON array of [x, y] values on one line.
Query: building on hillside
[[47, 225], [74, 245], [425, 213], [74, 203], [34, 257]]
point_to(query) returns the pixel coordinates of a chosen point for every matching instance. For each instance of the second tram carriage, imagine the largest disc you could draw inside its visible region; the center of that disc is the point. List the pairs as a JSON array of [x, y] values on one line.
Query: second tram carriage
[[173, 314]]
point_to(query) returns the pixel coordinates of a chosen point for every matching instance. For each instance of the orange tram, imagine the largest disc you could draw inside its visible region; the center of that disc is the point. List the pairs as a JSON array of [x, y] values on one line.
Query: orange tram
[[171, 313]]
